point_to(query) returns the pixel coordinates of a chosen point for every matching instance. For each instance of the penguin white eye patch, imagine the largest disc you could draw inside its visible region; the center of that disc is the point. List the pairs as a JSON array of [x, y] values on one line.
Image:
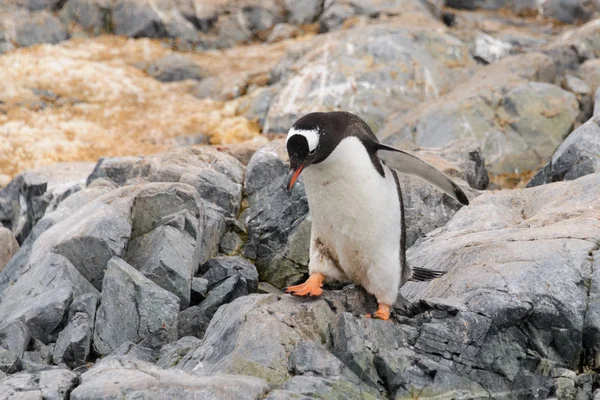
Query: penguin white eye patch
[[312, 137]]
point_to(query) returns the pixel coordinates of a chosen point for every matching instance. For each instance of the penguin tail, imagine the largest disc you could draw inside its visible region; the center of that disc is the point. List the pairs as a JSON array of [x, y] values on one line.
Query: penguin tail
[[424, 275]]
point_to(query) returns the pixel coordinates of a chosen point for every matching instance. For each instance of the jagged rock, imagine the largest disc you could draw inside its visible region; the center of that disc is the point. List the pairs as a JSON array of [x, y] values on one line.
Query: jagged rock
[[15, 337], [172, 68], [26, 28], [268, 163], [8, 246], [74, 342], [166, 240], [330, 388], [9, 362], [172, 353], [133, 308], [505, 116], [303, 13], [518, 261], [283, 31], [38, 357], [575, 46], [91, 15], [53, 384], [30, 195], [194, 320], [130, 352], [115, 378], [251, 336], [357, 71], [231, 244], [577, 156], [489, 49], [218, 269], [199, 290]]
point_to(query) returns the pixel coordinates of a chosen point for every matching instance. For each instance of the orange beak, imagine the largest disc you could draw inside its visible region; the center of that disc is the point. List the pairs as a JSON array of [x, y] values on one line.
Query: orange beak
[[294, 176]]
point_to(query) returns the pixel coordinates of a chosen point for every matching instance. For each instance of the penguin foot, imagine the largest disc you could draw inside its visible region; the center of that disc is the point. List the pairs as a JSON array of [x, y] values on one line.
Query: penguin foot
[[383, 312], [312, 287]]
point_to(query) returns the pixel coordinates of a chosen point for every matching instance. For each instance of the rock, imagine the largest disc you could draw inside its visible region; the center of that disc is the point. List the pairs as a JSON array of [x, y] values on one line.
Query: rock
[[9, 362], [252, 336], [575, 47], [283, 31], [489, 49], [166, 242], [195, 320], [199, 290], [267, 164], [15, 337], [577, 156], [36, 192], [91, 15], [172, 353], [133, 308], [231, 244], [589, 71], [584, 96], [53, 384], [334, 16], [217, 89], [8, 246], [597, 102], [218, 269], [330, 388], [130, 352], [74, 342], [25, 28], [357, 71], [304, 13], [255, 105], [143, 380], [38, 357], [505, 116], [524, 264], [172, 68]]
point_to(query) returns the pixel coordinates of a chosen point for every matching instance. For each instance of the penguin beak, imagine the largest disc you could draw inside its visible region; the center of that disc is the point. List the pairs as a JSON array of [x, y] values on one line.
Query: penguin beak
[[293, 176]]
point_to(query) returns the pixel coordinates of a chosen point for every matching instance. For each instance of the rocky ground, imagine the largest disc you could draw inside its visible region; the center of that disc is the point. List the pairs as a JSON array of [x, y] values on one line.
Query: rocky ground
[[156, 271]]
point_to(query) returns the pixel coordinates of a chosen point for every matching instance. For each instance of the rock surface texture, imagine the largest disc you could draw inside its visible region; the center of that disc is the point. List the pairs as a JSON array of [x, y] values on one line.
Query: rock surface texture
[[156, 269]]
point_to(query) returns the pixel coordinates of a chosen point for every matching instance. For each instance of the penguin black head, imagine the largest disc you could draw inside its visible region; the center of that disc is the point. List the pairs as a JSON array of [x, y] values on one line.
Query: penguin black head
[[313, 138]]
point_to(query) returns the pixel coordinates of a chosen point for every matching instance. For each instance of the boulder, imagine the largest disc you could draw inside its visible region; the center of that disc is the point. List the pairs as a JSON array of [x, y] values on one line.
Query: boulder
[[517, 123], [518, 289], [589, 71], [583, 92], [52, 384], [139, 379], [15, 337], [172, 353], [26, 28], [217, 270], [356, 70], [133, 308], [577, 156], [8, 246], [74, 342], [172, 68], [253, 335], [38, 357]]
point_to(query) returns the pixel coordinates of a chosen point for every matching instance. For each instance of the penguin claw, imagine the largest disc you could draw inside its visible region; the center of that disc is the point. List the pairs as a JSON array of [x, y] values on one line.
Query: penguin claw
[[311, 288], [383, 313]]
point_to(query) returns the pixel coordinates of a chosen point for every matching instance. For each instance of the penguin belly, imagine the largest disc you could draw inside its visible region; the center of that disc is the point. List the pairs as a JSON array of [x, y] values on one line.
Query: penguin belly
[[356, 220]]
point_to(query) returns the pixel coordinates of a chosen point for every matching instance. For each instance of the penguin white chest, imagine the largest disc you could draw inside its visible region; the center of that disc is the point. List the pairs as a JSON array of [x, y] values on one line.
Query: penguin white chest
[[355, 213]]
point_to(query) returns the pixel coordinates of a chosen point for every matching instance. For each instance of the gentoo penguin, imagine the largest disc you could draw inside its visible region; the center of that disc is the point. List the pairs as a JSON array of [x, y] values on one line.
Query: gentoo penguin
[[358, 232]]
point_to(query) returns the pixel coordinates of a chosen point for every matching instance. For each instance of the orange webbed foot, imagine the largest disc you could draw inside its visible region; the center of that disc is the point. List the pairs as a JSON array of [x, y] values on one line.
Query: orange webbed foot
[[312, 287], [383, 312]]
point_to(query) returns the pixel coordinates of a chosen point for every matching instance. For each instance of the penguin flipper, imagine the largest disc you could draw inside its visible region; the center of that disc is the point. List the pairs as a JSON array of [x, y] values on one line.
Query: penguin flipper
[[424, 275], [409, 164]]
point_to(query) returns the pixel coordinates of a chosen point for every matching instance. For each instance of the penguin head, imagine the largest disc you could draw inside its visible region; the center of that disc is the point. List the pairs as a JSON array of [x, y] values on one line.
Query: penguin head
[[302, 146]]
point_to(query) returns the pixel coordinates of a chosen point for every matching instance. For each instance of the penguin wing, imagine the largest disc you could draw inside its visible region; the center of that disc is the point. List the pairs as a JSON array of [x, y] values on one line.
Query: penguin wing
[[407, 163]]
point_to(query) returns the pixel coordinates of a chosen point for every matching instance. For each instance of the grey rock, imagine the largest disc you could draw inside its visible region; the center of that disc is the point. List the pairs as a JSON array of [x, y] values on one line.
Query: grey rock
[[53, 384], [303, 13], [283, 31], [591, 328], [505, 254], [231, 244], [8, 246], [38, 357], [218, 269], [334, 16], [36, 192], [74, 342], [141, 380], [215, 227], [490, 49], [130, 352], [255, 105], [330, 388], [597, 102], [583, 92], [220, 89], [285, 395], [268, 163], [589, 72], [15, 337], [508, 113], [372, 93], [133, 19], [35, 27], [577, 156], [215, 187], [199, 290], [253, 334], [256, 18], [133, 308], [172, 68], [194, 320], [92, 15], [9, 362], [172, 353]]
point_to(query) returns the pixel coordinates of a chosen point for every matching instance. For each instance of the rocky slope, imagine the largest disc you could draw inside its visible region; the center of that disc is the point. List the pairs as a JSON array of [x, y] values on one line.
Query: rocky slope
[[156, 271]]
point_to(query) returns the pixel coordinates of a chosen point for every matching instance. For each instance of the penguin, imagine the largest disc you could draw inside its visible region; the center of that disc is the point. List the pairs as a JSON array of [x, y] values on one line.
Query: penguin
[[358, 231]]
